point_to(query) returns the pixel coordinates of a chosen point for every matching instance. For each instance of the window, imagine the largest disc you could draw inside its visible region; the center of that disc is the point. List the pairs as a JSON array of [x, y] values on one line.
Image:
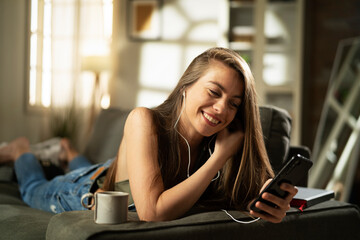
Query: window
[[62, 32], [40, 54]]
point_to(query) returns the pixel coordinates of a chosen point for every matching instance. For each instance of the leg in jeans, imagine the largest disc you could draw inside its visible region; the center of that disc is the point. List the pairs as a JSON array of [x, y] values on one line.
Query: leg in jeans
[[62, 193], [79, 162], [31, 179], [35, 189], [28, 170]]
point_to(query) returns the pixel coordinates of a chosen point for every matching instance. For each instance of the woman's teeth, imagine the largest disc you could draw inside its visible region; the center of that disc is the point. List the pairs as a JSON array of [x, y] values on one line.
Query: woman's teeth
[[212, 120]]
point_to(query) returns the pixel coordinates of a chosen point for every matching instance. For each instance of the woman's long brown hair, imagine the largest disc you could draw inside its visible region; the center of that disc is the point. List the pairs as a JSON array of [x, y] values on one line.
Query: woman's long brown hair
[[242, 176]]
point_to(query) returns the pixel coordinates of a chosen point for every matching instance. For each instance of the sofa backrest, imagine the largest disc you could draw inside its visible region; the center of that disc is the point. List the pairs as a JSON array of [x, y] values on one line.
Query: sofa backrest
[[106, 136], [108, 132]]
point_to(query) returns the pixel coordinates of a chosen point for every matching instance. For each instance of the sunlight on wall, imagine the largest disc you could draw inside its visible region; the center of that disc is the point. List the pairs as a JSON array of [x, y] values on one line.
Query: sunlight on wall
[[188, 28], [193, 51], [168, 61], [148, 98], [174, 29], [204, 32], [200, 10], [160, 65]]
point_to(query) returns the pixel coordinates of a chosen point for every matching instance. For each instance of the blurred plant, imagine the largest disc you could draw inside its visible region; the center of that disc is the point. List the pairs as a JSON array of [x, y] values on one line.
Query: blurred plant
[[247, 58], [64, 123]]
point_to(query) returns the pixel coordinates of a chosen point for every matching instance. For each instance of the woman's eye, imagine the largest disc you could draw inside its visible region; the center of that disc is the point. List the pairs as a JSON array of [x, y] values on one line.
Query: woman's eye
[[214, 93], [234, 105]]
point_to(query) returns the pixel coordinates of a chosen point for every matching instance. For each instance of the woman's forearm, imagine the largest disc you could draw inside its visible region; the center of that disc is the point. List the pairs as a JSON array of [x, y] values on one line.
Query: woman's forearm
[[176, 201]]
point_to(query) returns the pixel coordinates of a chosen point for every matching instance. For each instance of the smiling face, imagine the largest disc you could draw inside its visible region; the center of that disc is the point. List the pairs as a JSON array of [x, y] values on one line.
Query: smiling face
[[211, 103]]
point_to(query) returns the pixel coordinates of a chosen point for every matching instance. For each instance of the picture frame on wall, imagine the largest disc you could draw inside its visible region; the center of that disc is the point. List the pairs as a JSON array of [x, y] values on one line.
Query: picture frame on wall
[[144, 19]]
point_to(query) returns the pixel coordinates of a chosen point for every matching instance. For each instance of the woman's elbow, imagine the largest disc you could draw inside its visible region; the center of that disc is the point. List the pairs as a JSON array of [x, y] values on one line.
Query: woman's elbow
[[153, 216]]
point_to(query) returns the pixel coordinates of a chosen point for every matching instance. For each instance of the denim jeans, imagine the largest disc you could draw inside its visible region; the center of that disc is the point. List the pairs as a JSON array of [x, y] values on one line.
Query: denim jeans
[[62, 193]]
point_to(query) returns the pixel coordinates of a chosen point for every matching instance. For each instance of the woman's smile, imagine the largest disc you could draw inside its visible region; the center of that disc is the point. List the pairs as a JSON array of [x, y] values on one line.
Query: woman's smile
[[211, 120]]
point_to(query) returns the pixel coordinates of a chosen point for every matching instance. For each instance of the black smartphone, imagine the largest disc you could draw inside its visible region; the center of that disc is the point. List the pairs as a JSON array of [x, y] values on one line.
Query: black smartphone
[[293, 172]]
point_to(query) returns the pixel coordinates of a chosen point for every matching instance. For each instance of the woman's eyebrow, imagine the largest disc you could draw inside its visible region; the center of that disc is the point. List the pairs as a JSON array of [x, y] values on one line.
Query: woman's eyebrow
[[223, 89]]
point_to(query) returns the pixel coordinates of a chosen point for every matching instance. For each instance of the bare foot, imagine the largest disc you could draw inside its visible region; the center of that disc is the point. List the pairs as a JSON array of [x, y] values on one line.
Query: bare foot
[[68, 153], [14, 150]]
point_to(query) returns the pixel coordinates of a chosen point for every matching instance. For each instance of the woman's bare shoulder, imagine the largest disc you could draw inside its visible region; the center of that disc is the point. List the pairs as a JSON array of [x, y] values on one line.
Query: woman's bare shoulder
[[141, 114], [140, 118]]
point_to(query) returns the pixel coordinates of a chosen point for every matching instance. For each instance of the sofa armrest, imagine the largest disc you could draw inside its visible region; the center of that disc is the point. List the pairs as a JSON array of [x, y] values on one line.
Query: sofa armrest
[[327, 220], [19, 221]]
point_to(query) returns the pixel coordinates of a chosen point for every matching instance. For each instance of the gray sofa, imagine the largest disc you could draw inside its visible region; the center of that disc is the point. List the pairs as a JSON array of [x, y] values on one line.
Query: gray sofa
[[327, 220]]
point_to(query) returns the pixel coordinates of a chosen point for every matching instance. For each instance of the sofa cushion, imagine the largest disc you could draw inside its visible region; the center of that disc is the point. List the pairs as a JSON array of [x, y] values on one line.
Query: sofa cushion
[[327, 220], [276, 126]]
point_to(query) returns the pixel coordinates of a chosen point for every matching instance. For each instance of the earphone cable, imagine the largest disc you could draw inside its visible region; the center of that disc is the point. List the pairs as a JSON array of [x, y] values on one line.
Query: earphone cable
[[188, 145], [238, 221], [210, 152]]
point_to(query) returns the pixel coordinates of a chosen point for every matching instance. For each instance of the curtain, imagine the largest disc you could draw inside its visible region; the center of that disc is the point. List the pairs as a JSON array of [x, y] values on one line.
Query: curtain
[[79, 28]]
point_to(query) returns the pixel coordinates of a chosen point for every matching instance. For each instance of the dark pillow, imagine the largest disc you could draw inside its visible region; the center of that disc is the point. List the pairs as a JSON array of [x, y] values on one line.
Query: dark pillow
[[106, 136], [276, 126]]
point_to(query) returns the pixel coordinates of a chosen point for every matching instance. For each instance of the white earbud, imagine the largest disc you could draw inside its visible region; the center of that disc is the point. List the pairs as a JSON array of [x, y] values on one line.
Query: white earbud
[[184, 94]]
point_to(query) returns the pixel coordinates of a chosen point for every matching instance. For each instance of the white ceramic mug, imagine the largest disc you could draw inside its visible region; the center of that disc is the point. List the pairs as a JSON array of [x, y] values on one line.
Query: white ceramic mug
[[111, 207]]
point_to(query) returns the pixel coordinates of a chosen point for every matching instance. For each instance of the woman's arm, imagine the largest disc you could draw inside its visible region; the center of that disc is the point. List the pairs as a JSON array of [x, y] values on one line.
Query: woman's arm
[[152, 202]]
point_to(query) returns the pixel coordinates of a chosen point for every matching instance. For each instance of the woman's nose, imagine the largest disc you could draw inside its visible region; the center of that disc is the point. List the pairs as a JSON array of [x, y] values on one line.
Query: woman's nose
[[220, 106]]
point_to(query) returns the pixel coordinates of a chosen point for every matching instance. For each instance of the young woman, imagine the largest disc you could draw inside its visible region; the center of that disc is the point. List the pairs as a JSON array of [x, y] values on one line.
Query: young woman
[[202, 146]]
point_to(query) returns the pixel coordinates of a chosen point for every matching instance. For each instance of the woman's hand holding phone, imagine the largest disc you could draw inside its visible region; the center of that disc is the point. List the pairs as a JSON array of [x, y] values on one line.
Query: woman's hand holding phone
[[275, 197], [277, 212]]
